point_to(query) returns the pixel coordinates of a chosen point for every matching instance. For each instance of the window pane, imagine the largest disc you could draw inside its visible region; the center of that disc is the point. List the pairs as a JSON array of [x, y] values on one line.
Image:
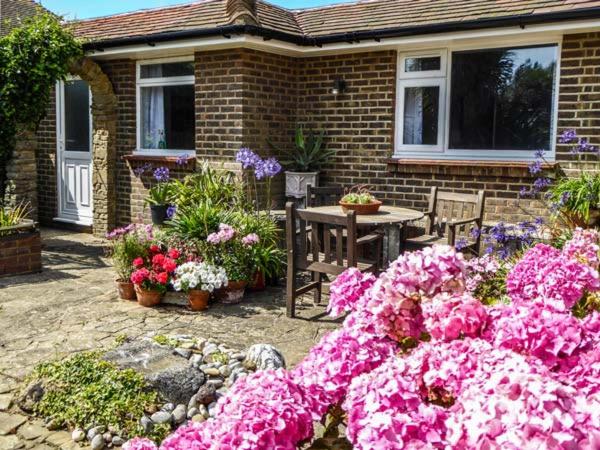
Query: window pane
[[77, 116], [168, 117], [421, 109], [501, 99], [422, 64], [178, 69]]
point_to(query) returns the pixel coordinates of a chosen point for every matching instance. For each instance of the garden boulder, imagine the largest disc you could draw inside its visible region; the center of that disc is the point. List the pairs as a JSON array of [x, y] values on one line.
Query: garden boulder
[[170, 374]]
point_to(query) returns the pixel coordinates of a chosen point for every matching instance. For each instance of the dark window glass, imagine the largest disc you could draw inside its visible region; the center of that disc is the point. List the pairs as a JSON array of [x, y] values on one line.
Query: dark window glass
[[168, 117], [421, 110], [422, 64], [177, 69], [77, 116], [501, 99]]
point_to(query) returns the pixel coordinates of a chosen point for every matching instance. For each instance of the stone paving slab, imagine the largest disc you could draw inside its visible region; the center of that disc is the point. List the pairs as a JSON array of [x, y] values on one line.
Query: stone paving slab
[[72, 306]]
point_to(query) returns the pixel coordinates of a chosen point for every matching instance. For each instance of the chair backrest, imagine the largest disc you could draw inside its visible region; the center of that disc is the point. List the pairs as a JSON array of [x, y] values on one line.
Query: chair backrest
[[320, 236], [449, 206], [323, 195]]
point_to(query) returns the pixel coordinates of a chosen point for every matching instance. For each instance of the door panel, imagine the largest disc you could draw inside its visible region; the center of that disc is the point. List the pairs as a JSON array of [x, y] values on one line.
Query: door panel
[[74, 152]]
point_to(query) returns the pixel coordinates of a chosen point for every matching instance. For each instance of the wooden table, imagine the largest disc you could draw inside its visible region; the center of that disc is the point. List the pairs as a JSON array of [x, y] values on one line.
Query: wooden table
[[391, 218]]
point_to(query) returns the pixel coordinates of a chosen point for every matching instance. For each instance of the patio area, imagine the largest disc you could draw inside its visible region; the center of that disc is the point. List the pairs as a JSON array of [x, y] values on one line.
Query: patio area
[[73, 306]]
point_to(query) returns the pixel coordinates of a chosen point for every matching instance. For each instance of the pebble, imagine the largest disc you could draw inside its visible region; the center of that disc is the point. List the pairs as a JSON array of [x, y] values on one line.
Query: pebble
[[107, 437], [238, 356], [196, 360], [211, 409], [188, 345], [53, 425], [97, 442], [206, 394], [147, 424], [179, 414], [204, 411], [225, 371], [92, 432], [118, 441], [168, 407], [184, 352], [78, 435], [193, 403], [217, 383], [198, 418], [212, 372], [192, 412], [161, 417]]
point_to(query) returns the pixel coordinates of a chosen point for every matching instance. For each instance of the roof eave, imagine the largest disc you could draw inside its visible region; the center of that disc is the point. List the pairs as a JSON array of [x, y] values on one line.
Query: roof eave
[[304, 40]]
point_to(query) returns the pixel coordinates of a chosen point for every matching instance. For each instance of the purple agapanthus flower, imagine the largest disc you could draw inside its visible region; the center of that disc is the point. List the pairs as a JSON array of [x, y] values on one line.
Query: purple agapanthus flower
[[171, 210], [525, 192], [161, 174], [248, 158], [567, 137], [541, 183], [461, 243], [272, 167], [141, 170], [182, 160], [540, 154], [535, 167]]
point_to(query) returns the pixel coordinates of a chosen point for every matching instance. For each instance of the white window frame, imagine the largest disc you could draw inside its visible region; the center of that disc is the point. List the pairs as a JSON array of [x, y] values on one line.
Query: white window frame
[[442, 150], [155, 82]]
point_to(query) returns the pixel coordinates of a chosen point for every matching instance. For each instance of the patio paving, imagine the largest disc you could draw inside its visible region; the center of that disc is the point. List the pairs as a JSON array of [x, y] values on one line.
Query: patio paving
[[72, 306]]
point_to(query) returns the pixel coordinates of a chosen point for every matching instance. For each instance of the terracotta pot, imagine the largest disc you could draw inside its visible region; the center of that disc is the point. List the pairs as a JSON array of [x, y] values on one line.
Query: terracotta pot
[[147, 298], [233, 293], [198, 299], [370, 208], [258, 282], [126, 290]]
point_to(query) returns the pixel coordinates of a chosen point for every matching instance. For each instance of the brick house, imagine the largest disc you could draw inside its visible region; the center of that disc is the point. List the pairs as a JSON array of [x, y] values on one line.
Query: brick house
[[454, 94]]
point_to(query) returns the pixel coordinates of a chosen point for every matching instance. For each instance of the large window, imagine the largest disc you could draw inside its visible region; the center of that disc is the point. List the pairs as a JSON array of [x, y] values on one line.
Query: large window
[[499, 103], [166, 107]]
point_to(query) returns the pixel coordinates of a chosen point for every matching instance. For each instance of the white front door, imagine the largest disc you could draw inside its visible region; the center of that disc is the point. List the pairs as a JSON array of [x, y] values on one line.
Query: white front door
[[74, 152]]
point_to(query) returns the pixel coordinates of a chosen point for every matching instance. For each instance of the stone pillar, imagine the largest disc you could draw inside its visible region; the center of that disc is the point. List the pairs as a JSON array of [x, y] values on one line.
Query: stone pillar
[[21, 173]]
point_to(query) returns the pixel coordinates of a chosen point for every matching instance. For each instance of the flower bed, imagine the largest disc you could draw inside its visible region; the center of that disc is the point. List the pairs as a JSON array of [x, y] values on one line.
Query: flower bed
[[422, 363], [20, 249]]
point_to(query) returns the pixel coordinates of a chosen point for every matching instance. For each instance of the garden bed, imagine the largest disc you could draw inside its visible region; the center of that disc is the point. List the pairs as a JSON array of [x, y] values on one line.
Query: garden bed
[[20, 249]]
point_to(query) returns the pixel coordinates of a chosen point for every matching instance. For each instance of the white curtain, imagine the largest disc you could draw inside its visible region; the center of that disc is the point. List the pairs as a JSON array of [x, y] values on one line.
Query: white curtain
[[153, 112], [413, 116]]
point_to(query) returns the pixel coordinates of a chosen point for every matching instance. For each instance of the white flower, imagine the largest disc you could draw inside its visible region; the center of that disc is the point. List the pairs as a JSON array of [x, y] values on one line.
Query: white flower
[[202, 276]]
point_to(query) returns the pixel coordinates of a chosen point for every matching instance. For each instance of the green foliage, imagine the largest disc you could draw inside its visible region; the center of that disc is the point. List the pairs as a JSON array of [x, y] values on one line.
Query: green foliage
[[309, 154], [166, 340], [196, 222], [492, 289], [577, 195], [359, 195], [32, 58], [159, 194], [84, 390], [9, 217], [124, 250]]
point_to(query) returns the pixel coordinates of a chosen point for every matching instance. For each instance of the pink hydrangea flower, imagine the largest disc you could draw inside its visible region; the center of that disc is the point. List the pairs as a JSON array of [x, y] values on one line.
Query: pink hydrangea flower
[[450, 317], [347, 289], [584, 247], [140, 444]]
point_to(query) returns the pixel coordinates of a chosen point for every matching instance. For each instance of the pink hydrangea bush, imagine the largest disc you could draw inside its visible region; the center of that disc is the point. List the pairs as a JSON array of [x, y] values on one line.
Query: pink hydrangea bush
[[140, 444], [449, 317], [584, 247], [347, 289]]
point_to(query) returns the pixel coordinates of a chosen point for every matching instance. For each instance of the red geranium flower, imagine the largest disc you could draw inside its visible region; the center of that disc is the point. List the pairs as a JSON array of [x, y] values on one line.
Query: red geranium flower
[[139, 276], [154, 248], [158, 260], [169, 265], [138, 262], [162, 277], [174, 253]]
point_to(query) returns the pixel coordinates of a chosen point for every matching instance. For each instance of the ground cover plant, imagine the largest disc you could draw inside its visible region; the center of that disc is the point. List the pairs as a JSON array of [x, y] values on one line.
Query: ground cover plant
[[422, 362]]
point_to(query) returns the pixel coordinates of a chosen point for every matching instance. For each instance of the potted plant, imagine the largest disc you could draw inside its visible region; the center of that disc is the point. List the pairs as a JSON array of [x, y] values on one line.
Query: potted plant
[[127, 244], [578, 199], [152, 275], [159, 196], [306, 159], [20, 242], [359, 199], [199, 280]]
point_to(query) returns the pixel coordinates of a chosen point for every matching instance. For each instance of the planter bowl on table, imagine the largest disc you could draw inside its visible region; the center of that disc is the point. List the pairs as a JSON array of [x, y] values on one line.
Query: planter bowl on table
[[361, 209]]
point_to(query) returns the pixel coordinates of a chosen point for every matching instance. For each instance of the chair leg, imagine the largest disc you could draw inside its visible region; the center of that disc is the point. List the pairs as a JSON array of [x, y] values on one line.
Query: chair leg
[[316, 276], [291, 292]]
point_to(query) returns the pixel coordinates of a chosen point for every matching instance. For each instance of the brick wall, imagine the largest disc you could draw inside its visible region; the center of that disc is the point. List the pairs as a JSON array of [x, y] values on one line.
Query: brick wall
[[20, 254], [46, 164]]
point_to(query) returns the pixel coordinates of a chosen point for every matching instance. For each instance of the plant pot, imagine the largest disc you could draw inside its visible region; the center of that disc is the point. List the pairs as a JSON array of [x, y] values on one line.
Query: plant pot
[[258, 282], [198, 300], [158, 214], [233, 293], [126, 290], [370, 208], [296, 182], [147, 298]]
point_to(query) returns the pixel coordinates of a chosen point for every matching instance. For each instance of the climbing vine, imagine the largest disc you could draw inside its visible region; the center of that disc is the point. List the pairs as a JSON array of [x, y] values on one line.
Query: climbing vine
[[33, 57]]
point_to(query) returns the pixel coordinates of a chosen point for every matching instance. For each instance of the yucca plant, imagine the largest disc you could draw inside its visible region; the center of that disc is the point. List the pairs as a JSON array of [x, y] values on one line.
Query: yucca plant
[[10, 217], [309, 153]]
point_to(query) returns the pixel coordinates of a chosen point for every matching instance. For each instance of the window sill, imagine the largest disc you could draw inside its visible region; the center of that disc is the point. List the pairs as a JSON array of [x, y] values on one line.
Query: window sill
[[463, 167], [188, 161]]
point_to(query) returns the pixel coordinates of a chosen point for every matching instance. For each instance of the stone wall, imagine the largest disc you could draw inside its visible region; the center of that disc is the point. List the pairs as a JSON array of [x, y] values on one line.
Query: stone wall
[[21, 174]]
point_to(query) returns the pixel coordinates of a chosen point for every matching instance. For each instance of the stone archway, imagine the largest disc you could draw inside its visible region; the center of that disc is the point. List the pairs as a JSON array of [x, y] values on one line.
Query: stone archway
[[104, 152]]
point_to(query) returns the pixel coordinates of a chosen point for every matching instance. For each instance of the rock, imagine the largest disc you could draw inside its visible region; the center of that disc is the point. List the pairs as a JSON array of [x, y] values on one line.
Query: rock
[[193, 403], [225, 371], [161, 417], [107, 437], [212, 372], [179, 414], [206, 394], [239, 356], [33, 431], [170, 375], [204, 411], [183, 352], [198, 418], [169, 407], [118, 441], [94, 431], [216, 383], [263, 356], [54, 425], [147, 424], [211, 409], [192, 412], [10, 422], [78, 435], [30, 396], [196, 360], [10, 443], [5, 401], [97, 442]]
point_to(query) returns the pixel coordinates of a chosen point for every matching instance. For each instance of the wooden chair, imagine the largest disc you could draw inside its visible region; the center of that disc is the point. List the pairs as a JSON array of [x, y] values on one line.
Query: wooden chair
[[451, 217], [316, 244], [323, 196]]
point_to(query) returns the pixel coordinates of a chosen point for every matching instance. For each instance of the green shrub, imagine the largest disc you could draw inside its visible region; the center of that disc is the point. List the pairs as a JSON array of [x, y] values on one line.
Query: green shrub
[[84, 390]]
